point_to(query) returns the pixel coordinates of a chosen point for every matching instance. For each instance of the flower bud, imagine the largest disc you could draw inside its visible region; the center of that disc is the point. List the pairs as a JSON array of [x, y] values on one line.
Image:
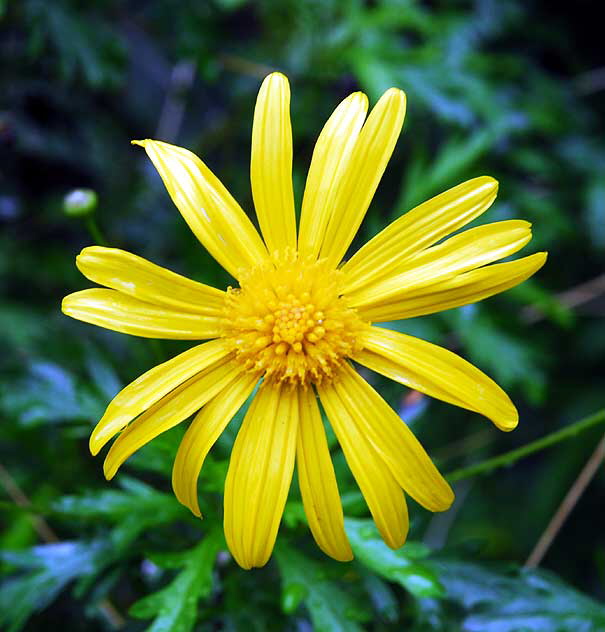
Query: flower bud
[[80, 203]]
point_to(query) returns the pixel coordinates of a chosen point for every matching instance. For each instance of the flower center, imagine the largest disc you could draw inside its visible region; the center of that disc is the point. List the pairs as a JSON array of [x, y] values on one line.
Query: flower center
[[288, 321]]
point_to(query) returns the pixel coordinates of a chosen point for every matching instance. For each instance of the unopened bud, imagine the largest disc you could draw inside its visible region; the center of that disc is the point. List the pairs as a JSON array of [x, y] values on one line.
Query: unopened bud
[[80, 202]]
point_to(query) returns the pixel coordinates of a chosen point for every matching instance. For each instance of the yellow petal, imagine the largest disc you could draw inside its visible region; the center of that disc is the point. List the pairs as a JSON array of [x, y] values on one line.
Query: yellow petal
[[139, 278], [471, 249], [213, 215], [150, 387], [169, 411], [201, 435], [419, 228], [271, 164], [260, 472], [437, 372], [331, 158], [371, 154], [317, 482], [463, 289], [113, 310], [394, 442], [381, 491]]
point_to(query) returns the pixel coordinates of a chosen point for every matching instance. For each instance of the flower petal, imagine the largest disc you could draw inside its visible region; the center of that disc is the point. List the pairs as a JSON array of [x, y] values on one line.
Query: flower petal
[[381, 491], [141, 279], [437, 372], [213, 215], [260, 472], [419, 228], [394, 442], [169, 411], [331, 158], [463, 289], [471, 249], [113, 310], [201, 435], [150, 387], [317, 482], [370, 156], [271, 164]]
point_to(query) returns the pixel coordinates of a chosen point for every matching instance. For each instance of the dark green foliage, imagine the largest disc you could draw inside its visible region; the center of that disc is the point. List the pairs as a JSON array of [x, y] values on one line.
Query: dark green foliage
[[174, 607], [331, 606], [43, 572], [136, 499], [516, 600], [510, 89]]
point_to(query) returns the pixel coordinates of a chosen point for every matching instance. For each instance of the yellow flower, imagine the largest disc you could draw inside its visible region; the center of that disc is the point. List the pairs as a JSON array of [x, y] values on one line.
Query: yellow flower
[[297, 320]]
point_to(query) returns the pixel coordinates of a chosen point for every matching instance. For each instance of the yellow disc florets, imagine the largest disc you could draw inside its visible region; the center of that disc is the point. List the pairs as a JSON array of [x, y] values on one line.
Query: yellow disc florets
[[288, 321]]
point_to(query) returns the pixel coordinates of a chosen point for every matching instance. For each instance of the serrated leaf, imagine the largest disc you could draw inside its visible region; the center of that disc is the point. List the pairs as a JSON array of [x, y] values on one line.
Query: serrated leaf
[[331, 608], [44, 571], [401, 566], [136, 499], [132, 510], [49, 393], [174, 607], [501, 601], [41, 573]]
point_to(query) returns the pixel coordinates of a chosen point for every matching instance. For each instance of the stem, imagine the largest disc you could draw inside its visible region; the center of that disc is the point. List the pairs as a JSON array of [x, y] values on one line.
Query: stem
[[95, 231], [535, 446], [566, 507], [13, 490]]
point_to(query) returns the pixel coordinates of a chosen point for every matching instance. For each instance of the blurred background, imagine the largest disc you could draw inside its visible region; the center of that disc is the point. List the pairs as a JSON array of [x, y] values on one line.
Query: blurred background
[[514, 89]]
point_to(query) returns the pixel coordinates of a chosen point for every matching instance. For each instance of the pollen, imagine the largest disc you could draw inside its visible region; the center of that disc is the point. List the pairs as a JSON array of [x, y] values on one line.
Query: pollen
[[288, 322]]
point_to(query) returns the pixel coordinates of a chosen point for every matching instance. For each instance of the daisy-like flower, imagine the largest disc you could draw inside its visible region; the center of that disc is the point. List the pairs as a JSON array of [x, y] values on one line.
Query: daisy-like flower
[[296, 322]]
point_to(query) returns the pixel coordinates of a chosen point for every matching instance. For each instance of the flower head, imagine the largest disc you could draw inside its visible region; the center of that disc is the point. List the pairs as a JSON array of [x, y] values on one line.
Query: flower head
[[289, 321], [296, 320]]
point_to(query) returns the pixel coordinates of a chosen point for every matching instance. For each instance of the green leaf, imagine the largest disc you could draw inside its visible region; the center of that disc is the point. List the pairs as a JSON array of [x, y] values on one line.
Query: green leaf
[[517, 600], [174, 607], [401, 566], [304, 580], [510, 360], [158, 455], [50, 393], [90, 48], [41, 573], [450, 166], [33, 326], [383, 598], [102, 373], [595, 213], [132, 511], [135, 500], [536, 299]]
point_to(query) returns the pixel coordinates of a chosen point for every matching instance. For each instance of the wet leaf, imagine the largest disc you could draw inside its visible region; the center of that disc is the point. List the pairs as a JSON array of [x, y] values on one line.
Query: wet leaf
[[403, 566], [501, 601]]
